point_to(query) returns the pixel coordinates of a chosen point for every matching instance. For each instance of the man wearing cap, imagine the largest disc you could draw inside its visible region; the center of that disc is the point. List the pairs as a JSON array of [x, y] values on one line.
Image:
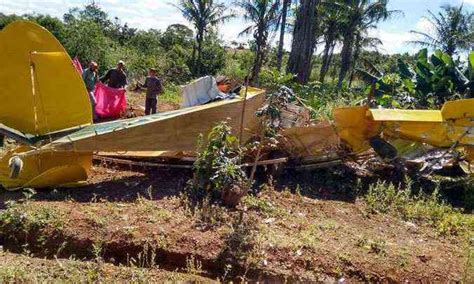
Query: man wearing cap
[[116, 78], [90, 78]]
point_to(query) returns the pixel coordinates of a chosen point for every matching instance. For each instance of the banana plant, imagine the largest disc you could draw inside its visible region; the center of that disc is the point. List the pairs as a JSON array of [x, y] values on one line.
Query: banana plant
[[427, 82]]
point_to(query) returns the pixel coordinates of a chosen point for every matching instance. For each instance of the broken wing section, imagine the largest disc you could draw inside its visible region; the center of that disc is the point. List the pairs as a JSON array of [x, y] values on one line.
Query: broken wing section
[[44, 169], [171, 131], [452, 127]]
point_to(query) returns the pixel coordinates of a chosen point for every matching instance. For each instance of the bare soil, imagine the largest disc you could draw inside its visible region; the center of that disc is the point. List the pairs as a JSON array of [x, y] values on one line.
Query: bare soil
[[294, 229]]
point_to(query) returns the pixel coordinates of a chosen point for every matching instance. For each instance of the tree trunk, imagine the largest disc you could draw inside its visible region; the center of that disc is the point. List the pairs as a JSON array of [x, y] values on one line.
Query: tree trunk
[[326, 55], [281, 43], [193, 58], [259, 56], [346, 56], [199, 54], [331, 56], [304, 41], [354, 61]]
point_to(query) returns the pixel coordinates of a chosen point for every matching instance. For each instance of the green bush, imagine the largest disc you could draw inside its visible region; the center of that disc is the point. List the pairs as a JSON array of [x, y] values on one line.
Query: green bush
[[424, 82], [217, 169]]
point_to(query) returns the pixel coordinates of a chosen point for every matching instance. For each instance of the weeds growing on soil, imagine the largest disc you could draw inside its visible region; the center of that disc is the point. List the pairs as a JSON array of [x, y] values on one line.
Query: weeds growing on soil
[[420, 208], [242, 244], [20, 217]]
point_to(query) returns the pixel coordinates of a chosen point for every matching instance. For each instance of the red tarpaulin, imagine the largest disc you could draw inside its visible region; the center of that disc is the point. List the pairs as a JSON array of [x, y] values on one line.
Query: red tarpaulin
[[77, 64], [110, 102]]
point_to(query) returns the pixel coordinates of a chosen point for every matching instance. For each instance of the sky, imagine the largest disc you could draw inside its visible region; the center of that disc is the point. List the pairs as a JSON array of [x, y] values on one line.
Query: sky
[[158, 14]]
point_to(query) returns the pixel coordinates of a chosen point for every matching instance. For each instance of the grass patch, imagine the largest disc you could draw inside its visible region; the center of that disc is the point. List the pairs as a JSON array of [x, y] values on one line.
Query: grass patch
[[377, 246], [21, 269], [263, 206], [172, 94], [26, 217], [421, 208]]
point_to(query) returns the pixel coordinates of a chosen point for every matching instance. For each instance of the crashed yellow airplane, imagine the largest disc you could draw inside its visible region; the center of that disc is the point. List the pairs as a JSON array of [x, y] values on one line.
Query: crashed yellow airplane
[[45, 109]]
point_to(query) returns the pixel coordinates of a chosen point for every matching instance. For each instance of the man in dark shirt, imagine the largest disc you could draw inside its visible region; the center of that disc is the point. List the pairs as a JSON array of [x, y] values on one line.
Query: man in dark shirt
[[116, 78], [153, 88]]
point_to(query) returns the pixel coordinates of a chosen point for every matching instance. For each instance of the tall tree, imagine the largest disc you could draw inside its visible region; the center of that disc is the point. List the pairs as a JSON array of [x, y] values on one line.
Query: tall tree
[[304, 41], [358, 15], [284, 13], [264, 15], [203, 14], [331, 18], [453, 30], [363, 40]]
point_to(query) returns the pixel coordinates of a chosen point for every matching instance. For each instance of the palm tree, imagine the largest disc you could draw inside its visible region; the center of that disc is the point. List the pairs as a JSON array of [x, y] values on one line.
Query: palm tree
[[203, 14], [453, 30], [284, 13], [265, 16], [331, 18], [305, 34], [358, 15], [362, 41]]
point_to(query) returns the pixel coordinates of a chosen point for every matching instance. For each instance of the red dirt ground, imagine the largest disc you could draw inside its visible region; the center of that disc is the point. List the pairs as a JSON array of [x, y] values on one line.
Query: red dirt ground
[[138, 217]]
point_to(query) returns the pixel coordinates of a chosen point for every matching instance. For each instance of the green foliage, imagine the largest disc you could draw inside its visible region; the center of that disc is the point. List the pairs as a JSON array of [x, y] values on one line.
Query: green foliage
[[452, 30], [213, 57], [243, 243], [23, 218], [171, 95], [421, 208], [86, 40], [217, 167], [204, 15], [276, 102], [272, 79], [426, 82], [324, 97], [238, 64]]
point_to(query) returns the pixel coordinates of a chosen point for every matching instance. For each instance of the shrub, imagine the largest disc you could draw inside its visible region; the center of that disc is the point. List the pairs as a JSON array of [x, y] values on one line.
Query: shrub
[[218, 173], [423, 82], [420, 208]]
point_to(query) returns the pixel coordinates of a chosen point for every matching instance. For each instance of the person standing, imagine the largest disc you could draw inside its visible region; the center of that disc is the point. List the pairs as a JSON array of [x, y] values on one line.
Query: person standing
[[91, 78], [153, 87], [116, 78]]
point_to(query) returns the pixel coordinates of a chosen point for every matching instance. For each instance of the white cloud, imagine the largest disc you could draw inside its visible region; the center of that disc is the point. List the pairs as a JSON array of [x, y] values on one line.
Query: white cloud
[[394, 42], [159, 14], [424, 25]]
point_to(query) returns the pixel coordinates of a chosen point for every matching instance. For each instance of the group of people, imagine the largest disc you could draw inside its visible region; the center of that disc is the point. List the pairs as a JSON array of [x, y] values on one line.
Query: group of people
[[116, 78]]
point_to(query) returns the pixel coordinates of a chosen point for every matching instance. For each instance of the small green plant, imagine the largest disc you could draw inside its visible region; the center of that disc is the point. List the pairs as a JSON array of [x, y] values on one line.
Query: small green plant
[[272, 79], [377, 246], [276, 102], [219, 175], [210, 215], [261, 205]]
